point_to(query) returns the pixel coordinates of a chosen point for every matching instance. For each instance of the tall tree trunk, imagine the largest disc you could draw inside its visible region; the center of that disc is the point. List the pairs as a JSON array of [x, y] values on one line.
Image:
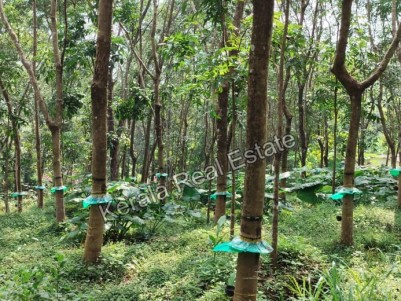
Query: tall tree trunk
[[233, 143], [146, 155], [278, 156], [39, 174], [94, 236], [6, 174], [301, 125], [114, 139], [157, 102], [55, 128], [252, 209], [333, 181], [221, 123], [131, 148], [326, 143], [183, 158], [390, 141], [222, 110], [398, 51], [320, 141], [287, 131]]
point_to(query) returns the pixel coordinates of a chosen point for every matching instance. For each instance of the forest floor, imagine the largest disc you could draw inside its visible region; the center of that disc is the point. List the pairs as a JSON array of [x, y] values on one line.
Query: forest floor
[[178, 264]]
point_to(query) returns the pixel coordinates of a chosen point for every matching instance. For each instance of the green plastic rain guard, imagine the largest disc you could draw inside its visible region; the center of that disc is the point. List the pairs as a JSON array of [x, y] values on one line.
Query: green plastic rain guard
[[395, 172], [161, 175], [58, 188], [40, 187], [17, 194], [237, 245], [91, 200], [345, 191], [213, 196]]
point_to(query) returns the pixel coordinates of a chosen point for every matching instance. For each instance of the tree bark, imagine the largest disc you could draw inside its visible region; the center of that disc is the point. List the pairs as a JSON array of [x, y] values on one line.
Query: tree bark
[[252, 210], [94, 236]]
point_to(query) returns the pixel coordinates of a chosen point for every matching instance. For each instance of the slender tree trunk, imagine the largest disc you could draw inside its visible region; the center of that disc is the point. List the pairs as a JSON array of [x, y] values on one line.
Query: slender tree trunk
[[131, 148], [39, 173], [183, 158], [222, 110], [252, 210], [320, 141], [287, 132], [390, 141], [17, 144], [221, 123], [301, 125], [233, 143], [399, 178], [278, 156], [6, 174], [146, 155], [114, 140], [326, 143], [94, 236], [55, 128], [124, 164], [333, 181]]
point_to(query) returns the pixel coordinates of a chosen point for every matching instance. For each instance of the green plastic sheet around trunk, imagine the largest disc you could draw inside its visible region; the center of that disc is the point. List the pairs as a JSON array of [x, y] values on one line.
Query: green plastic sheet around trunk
[[17, 194], [237, 245], [58, 188], [213, 196], [395, 172], [40, 187], [161, 175], [91, 200], [345, 191]]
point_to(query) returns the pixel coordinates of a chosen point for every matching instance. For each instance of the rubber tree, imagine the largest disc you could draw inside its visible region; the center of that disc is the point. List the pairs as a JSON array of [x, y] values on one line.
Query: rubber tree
[[53, 123], [254, 185], [222, 111], [94, 235], [278, 156], [6, 146], [17, 143], [39, 174], [394, 27], [355, 90]]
